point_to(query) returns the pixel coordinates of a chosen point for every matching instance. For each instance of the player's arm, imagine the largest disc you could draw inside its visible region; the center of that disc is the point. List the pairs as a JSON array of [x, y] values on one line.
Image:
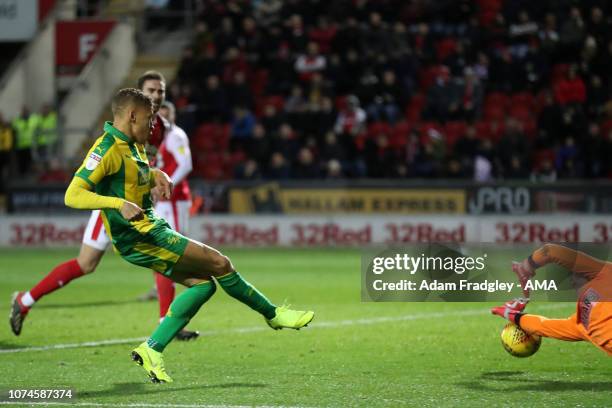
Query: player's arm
[[572, 260], [101, 161], [79, 196], [178, 146], [162, 182]]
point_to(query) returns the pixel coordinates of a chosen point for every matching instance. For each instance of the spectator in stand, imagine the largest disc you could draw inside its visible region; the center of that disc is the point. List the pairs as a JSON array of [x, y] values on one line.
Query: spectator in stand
[[25, 126], [310, 63], [443, 98], [471, 95], [242, 126], [271, 118], [239, 93], [306, 166], [214, 105], [568, 162], [467, 148], [571, 90], [259, 146], [390, 96], [278, 168], [285, 141], [544, 172], [323, 34], [597, 96], [249, 170], [333, 170], [351, 123], [572, 33], [512, 144], [549, 37], [549, 122]]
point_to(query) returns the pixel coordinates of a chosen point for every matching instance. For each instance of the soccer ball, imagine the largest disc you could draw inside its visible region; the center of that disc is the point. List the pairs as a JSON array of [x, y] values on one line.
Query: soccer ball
[[517, 342]]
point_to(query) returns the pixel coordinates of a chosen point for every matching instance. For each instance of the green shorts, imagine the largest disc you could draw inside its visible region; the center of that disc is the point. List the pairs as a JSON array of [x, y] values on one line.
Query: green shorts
[[159, 249]]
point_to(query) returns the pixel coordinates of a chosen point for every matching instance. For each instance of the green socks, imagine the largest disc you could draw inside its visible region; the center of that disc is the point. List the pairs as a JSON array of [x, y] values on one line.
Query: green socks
[[184, 307], [243, 291]]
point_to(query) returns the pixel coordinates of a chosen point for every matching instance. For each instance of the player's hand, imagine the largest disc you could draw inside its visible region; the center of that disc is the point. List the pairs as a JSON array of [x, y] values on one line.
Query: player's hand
[[524, 271], [131, 211], [155, 195], [164, 185], [510, 309]]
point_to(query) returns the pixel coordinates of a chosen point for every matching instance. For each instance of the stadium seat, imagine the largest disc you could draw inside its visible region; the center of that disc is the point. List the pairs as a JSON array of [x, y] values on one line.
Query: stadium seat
[[453, 131], [415, 107], [498, 99], [524, 99], [399, 134], [376, 128]]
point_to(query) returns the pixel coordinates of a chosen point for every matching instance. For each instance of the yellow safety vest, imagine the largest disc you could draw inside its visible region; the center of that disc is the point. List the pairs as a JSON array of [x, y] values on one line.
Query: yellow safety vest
[[26, 129], [47, 133]]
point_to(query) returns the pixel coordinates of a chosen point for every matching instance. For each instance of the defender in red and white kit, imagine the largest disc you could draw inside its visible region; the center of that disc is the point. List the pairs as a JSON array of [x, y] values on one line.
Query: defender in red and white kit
[[95, 239], [174, 158]]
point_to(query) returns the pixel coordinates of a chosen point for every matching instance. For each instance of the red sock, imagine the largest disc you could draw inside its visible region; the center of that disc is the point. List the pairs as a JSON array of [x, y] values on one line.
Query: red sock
[[58, 277], [165, 293]]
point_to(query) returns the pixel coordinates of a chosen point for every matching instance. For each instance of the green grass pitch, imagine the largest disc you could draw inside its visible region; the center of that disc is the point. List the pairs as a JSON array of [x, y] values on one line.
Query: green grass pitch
[[353, 354]]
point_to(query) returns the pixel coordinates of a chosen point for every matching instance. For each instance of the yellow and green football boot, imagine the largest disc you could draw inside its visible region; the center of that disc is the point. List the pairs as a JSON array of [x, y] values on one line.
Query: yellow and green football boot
[[152, 362]]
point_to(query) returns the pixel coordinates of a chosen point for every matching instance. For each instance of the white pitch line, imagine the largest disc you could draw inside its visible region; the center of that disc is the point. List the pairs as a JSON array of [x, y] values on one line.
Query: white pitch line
[[135, 405], [316, 325]]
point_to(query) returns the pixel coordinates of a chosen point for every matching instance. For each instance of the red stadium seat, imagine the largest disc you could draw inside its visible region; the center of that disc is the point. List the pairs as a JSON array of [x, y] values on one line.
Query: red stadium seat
[[415, 107], [259, 82], [453, 131], [494, 112], [376, 128], [496, 99], [399, 134], [524, 99], [445, 48], [521, 112]]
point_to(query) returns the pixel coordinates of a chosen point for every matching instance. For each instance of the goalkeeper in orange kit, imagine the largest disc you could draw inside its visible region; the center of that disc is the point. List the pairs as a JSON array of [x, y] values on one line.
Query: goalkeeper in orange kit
[[593, 318]]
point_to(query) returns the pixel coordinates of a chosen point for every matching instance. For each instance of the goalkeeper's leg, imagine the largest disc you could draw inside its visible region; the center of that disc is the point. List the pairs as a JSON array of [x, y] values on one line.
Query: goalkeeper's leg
[[561, 329]]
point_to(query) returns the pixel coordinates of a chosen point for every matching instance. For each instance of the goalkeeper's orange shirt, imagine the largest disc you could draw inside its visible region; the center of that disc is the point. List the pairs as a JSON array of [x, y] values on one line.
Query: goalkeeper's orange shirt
[[594, 306]]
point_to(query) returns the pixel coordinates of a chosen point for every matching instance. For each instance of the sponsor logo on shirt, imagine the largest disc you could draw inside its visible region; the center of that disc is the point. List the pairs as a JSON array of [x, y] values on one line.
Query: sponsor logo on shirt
[[92, 161]]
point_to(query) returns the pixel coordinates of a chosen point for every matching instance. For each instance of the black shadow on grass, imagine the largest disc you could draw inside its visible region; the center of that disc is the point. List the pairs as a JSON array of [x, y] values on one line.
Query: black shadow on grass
[[137, 388], [90, 304], [513, 381], [8, 345]]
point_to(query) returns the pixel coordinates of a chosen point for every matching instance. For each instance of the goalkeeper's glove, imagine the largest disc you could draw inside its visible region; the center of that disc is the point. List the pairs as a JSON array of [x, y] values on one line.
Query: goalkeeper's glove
[[524, 271], [511, 309]]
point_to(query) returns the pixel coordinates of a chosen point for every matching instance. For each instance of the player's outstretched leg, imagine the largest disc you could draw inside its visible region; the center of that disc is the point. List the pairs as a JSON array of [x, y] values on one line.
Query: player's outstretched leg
[[166, 290], [202, 259], [184, 307], [59, 277]]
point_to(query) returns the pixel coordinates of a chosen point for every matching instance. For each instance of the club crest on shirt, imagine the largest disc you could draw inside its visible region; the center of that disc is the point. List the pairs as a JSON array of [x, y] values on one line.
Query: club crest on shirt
[[143, 175], [92, 161]]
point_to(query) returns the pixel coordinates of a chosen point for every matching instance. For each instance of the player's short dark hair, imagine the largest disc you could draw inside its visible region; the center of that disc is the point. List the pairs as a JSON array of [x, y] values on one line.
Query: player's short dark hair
[[150, 75], [127, 96]]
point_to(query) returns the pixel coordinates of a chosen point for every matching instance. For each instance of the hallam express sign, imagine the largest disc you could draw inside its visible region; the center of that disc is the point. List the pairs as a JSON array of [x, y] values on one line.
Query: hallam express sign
[[77, 41]]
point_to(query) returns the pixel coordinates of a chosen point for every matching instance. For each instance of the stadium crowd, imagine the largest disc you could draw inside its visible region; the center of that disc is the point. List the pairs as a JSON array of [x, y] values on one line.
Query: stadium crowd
[[466, 89], [483, 90]]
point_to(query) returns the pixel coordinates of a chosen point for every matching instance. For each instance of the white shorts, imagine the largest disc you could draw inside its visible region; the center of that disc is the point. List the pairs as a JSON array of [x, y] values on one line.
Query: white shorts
[[95, 234], [176, 213]]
